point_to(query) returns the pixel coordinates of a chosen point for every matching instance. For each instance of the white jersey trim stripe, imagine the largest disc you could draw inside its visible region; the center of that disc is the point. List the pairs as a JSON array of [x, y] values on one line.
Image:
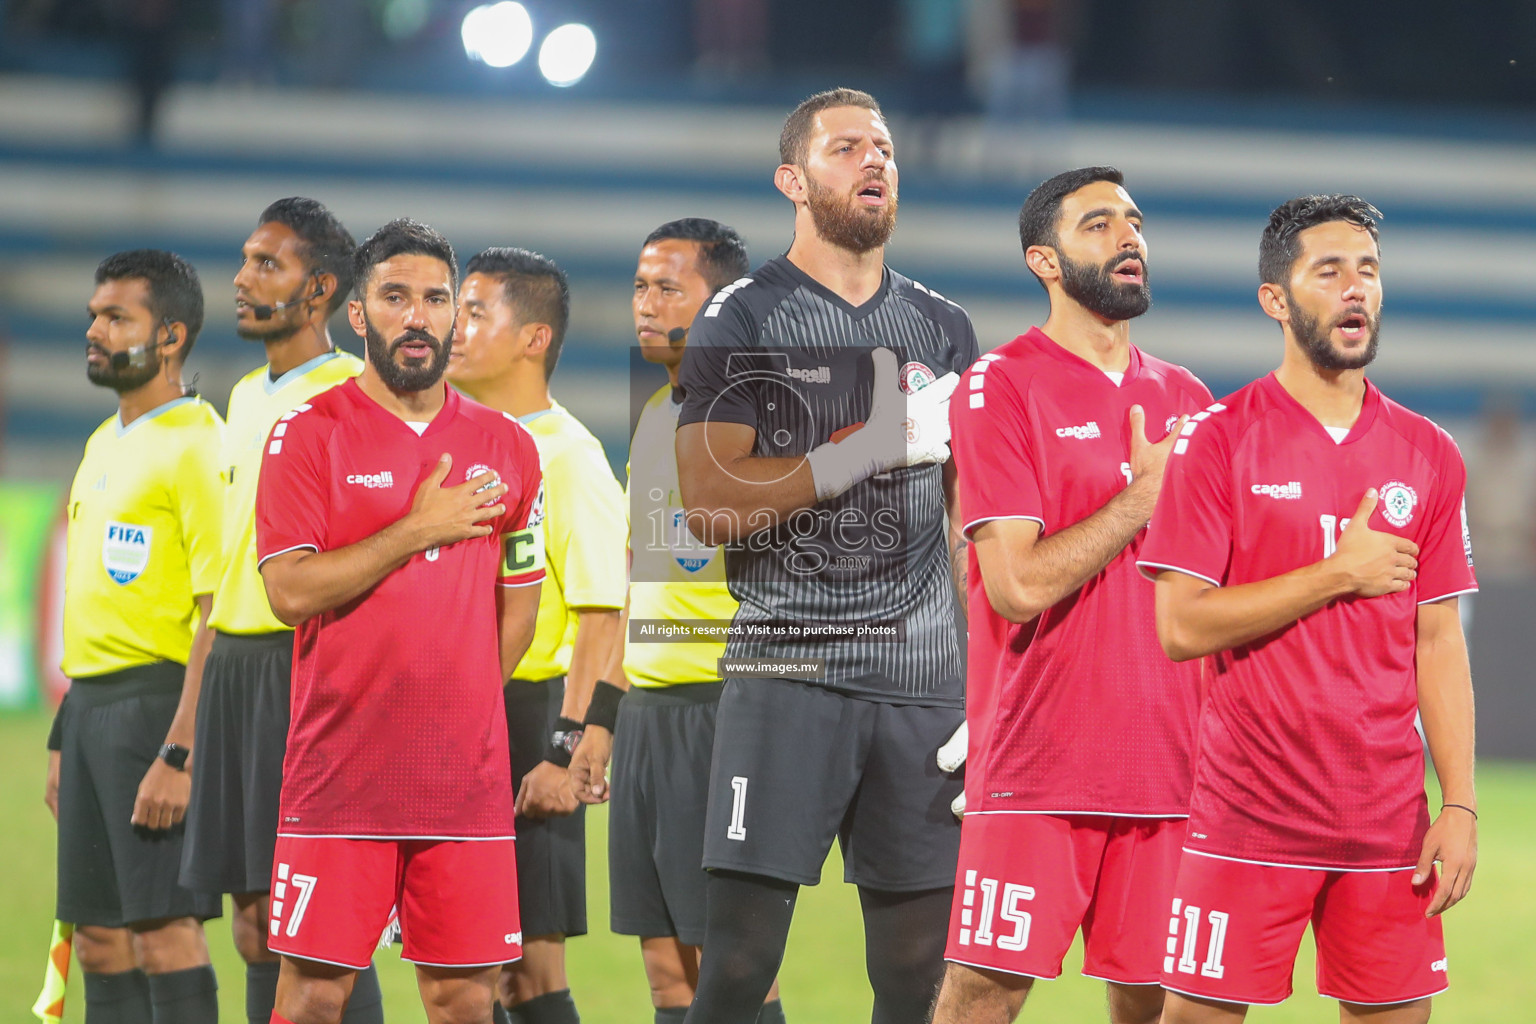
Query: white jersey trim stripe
[[1144, 566], [318, 960], [1118, 981], [297, 547], [504, 583], [1394, 1002], [395, 839], [1224, 999], [968, 527], [1001, 970], [434, 963], [1447, 597], [1090, 814], [1296, 867]]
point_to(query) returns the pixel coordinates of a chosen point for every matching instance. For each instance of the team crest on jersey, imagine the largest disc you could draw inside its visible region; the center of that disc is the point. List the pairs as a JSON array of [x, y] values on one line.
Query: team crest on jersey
[[478, 468], [125, 551], [1172, 422], [914, 377], [1398, 501]]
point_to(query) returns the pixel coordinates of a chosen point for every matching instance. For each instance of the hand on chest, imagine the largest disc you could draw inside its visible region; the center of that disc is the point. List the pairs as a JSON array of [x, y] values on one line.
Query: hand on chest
[[1299, 494], [1083, 448]]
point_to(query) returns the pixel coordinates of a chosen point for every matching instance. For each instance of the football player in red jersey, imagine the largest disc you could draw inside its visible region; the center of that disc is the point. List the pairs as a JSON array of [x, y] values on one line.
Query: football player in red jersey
[[398, 531], [1310, 543], [1078, 783]]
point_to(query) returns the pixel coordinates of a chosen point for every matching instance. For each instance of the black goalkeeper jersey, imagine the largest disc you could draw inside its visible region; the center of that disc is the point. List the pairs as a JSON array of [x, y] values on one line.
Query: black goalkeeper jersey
[[861, 581]]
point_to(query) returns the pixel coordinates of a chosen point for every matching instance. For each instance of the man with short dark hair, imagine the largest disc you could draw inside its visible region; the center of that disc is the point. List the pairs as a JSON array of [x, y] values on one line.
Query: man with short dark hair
[[662, 735], [1060, 446], [142, 561], [513, 309], [295, 272], [810, 443], [1310, 544], [383, 537]]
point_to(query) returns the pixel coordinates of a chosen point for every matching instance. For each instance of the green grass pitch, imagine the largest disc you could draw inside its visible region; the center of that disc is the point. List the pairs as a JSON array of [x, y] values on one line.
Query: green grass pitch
[[1490, 937]]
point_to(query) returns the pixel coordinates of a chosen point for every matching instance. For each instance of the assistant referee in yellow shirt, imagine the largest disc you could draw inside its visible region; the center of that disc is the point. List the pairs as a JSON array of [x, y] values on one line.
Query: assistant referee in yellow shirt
[[143, 546]]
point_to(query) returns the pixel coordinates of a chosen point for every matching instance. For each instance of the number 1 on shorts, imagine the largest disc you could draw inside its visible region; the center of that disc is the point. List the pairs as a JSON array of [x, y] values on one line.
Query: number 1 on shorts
[[737, 829]]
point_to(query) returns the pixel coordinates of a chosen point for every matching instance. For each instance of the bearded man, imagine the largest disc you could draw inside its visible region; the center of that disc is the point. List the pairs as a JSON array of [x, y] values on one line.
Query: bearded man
[[812, 444]]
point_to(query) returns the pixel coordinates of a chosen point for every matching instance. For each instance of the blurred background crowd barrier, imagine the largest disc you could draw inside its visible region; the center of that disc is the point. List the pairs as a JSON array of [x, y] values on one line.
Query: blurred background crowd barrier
[[575, 126]]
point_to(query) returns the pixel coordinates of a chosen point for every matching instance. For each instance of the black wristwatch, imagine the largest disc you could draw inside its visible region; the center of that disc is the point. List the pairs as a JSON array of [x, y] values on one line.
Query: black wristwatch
[[175, 755]]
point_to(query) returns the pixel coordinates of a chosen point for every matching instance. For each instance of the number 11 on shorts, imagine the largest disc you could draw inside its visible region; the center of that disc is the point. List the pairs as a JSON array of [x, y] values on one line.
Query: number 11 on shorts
[[737, 829], [1190, 918]]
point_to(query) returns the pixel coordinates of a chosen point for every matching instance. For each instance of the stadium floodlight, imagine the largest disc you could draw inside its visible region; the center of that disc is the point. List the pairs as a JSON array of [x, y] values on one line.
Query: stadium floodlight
[[497, 35], [567, 53]]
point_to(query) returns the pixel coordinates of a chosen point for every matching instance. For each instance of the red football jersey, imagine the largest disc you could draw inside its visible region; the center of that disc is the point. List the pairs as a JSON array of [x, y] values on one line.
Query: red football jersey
[[1308, 753], [1079, 711], [398, 727]]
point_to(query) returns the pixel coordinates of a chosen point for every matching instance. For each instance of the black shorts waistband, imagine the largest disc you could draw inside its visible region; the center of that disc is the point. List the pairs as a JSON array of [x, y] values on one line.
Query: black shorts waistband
[[677, 695], [252, 643], [138, 681], [533, 689]]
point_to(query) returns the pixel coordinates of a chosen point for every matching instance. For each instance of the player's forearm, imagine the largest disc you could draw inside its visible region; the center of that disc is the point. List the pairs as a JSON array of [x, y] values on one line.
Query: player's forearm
[[959, 544], [1195, 618], [517, 614], [596, 631], [735, 498], [183, 727], [1057, 565], [1446, 703], [314, 582], [614, 672]]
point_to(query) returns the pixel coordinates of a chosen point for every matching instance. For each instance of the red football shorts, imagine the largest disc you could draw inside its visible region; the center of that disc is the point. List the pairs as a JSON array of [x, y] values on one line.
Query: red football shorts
[[1027, 882], [1235, 929], [331, 899]]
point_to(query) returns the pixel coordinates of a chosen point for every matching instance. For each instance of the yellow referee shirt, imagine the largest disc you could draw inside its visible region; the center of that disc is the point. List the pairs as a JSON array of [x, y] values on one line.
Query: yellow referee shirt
[[144, 521], [255, 403], [583, 538], [674, 577]]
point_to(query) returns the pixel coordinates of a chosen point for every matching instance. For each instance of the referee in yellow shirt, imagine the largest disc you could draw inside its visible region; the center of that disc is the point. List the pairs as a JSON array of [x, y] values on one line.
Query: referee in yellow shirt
[[513, 309], [664, 735], [295, 271], [143, 546]]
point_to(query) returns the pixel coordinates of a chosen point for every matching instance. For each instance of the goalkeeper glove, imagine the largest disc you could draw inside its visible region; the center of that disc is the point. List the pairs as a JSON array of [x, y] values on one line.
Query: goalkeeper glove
[[902, 430], [951, 758]]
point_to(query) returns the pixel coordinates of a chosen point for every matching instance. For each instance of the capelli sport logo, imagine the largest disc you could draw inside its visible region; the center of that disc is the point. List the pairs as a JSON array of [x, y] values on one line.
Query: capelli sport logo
[[371, 480], [1087, 432], [1284, 492]]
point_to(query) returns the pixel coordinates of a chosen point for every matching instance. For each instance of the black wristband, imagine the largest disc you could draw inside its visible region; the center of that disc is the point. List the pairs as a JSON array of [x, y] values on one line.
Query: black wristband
[[1463, 807], [603, 711], [563, 741]]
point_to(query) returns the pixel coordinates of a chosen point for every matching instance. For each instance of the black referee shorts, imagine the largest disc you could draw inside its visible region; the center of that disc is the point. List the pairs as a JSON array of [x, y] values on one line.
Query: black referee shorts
[[551, 852], [796, 765], [237, 769], [111, 872], [662, 745]]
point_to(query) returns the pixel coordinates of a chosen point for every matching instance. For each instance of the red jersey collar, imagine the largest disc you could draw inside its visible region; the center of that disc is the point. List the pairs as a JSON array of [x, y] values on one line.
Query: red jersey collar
[[1369, 406], [1048, 345], [444, 415]]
